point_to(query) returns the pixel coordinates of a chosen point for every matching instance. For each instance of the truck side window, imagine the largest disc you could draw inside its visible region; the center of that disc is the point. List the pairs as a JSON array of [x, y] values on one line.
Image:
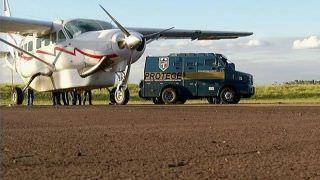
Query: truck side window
[[209, 62], [191, 64], [30, 46], [61, 36], [220, 62]]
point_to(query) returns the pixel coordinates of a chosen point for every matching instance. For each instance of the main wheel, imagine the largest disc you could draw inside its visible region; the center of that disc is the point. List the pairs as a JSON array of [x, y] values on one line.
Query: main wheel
[[17, 96], [229, 96], [111, 97], [120, 96], [169, 96], [157, 100]]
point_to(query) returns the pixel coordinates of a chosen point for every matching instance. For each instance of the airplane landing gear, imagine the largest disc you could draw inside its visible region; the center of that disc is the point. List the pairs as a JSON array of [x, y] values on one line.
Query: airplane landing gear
[[119, 96], [17, 96]]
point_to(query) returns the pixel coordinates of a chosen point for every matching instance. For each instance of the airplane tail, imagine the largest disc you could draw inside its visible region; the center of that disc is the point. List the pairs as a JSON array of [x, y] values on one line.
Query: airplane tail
[[12, 38], [6, 8]]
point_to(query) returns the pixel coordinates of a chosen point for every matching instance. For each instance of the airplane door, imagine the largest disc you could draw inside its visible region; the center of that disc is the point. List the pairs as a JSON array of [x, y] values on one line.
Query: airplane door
[[190, 75]]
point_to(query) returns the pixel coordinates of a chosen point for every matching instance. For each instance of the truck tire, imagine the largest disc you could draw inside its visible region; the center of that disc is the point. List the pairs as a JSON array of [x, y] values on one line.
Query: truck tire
[[17, 96], [157, 100], [169, 96], [229, 96], [119, 97]]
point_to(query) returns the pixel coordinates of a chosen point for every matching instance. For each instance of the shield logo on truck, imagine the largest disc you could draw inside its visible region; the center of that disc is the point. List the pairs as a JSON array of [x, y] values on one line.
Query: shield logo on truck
[[163, 63]]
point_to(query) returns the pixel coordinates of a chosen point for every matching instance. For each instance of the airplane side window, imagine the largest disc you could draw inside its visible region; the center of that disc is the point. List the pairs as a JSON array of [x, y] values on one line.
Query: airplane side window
[[61, 36], [30, 46], [46, 40], [54, 38], [38, 45]]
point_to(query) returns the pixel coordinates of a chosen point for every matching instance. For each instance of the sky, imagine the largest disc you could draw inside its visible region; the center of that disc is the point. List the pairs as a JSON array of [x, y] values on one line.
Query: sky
[[285, 45]]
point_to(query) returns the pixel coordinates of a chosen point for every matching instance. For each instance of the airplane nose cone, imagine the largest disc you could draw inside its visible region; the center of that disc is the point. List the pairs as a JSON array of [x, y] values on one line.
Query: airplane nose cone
[[133, 41]]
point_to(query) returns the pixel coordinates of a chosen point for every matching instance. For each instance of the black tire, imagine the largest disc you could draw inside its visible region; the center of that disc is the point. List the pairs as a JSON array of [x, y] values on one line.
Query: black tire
[[169, 96], [214, 100], [228, 95], [157, 101], [111, 96], [237, 100], [121, 97], [17, 96]]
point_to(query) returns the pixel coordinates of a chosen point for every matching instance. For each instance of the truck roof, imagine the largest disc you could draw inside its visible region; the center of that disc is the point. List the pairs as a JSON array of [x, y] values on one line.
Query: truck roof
[[188, 54]]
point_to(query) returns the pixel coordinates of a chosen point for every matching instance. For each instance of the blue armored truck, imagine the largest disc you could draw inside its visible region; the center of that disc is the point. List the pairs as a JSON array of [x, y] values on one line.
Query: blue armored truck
[[176, 78]]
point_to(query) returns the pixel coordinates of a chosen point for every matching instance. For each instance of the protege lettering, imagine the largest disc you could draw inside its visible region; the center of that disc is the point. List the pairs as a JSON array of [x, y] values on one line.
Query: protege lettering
[[162, 76]]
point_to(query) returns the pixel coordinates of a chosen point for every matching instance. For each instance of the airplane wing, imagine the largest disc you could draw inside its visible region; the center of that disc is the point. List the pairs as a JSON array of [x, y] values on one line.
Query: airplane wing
[[192, 34], [24, 26]]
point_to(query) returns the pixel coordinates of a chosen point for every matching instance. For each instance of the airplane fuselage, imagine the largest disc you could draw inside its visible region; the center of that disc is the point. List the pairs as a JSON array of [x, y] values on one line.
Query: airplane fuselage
[[70, 54]]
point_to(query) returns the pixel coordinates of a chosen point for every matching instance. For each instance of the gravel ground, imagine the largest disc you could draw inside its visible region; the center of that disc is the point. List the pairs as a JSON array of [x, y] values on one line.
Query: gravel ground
[[161, 142]]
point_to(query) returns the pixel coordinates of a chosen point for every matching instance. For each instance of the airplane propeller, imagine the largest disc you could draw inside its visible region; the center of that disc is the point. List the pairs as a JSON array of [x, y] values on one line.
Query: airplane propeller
[[132, 41]]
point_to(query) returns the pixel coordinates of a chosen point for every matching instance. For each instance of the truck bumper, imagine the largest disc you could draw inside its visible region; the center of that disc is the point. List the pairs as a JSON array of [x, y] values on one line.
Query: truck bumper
[[247, 91]]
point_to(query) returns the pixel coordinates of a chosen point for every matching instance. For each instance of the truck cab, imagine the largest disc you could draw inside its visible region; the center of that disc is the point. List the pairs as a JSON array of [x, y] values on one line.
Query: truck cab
[[176, 78]]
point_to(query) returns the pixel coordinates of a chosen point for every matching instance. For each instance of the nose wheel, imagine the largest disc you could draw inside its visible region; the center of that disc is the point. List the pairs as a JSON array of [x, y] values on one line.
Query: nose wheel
[[119, 96]]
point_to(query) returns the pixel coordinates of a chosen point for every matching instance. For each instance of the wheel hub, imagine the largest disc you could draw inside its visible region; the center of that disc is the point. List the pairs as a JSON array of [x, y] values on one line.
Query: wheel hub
[[229, 96], [168, 96], [119, 95]]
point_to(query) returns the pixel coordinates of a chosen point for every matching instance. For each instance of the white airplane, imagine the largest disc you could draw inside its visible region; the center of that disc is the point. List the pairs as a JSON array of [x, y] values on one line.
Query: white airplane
[[81, 54]]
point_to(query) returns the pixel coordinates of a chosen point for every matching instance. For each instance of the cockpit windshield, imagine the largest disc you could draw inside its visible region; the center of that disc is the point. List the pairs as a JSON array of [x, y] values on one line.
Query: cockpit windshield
[[79, 26]]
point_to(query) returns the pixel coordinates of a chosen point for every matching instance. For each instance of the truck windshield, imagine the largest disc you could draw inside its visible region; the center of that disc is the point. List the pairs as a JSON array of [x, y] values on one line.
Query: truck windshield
[[221, 60], [80, 26]]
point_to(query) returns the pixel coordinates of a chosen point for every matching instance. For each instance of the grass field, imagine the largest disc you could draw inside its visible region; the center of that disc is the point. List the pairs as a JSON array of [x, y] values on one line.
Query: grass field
[[274, 94]]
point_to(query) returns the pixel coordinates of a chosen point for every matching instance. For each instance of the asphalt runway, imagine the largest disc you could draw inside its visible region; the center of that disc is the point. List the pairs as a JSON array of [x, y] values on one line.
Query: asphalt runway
[[161, 142]]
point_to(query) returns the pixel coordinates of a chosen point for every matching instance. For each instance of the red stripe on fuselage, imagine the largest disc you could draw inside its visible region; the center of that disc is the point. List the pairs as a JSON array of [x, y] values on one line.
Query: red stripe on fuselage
[[74, 53], [26, 58]]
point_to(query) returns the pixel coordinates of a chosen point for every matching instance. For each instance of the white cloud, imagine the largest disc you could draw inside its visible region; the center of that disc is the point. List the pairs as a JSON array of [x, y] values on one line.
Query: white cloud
[[254, 43], [309, 43]]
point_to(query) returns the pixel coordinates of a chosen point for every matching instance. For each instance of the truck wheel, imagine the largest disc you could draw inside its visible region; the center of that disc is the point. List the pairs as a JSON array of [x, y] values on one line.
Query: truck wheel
[[214, 100], [229, 96], [238, 98], [119, 97], [17, 96], [157, 100], [169, 96]]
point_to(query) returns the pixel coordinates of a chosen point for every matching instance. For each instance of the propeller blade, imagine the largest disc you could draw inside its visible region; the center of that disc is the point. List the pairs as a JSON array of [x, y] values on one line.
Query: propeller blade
[[123, 29], [157, 34]]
